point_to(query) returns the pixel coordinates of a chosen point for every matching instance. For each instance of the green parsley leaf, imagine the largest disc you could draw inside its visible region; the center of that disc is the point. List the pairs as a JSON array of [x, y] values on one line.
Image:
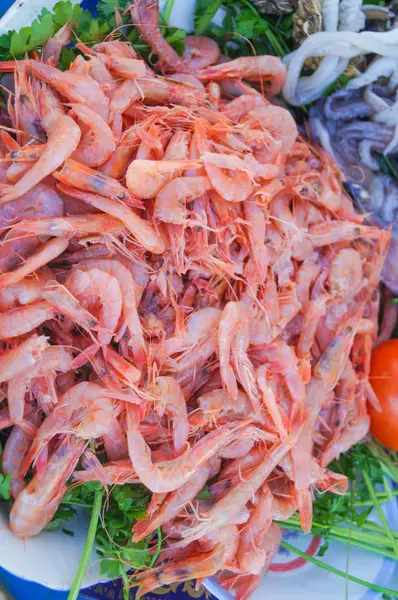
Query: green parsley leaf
[[65, 12], [5, 485], [204, 12]]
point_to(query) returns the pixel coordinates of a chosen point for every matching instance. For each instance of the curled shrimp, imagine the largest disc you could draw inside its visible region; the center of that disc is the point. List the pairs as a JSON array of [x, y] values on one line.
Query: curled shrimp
[[170, 201], [85, 409], [200, 51], [174, 473], [93, 286], [36, 504], [24, 292], [62, 142], [251, 68], [98, 142], [235, 499], [145, 178], [172, 505], [52, 359]]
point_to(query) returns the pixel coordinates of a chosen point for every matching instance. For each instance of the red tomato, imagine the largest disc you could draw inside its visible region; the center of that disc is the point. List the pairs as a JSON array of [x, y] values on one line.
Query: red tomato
[[384, 380]]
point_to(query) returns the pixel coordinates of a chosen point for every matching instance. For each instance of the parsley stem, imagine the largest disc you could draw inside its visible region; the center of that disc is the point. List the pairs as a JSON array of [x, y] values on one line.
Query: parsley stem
[[327, 567], [357, 534], [167, 11], [380, 512], [88, 546], [345, 539], [158, 547]]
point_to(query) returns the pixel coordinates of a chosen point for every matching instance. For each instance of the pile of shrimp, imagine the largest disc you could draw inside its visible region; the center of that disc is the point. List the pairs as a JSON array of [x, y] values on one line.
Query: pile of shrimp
[[184, 285]]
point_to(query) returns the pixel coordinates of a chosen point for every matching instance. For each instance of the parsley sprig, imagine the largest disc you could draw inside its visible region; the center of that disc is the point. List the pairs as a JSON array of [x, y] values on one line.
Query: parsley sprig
[[347, 519]]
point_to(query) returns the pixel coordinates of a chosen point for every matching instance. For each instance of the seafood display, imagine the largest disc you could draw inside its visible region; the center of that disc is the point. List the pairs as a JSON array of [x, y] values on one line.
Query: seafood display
[[188, 299]]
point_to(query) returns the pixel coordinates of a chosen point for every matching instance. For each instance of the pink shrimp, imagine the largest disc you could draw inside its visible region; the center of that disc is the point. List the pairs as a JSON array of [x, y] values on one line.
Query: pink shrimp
[[98, 142], [228, 323], [25, 291], [21, 320], [51, 50], [170, 201], [252, 68], [62, 141], [45, 254], [128, 287], [25, 355], [235, 499], [72, 85], [143, 231], [250, 556], [169, 400], [200, 52], [36, 504], [174, 473], [85, 409], [95, 286], [145, 178], [15, 450], [145, 16], [52, 359], [172, 505]]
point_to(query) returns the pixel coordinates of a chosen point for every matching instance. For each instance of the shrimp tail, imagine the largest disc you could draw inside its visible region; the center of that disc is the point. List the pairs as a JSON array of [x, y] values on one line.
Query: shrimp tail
[[203, 564]]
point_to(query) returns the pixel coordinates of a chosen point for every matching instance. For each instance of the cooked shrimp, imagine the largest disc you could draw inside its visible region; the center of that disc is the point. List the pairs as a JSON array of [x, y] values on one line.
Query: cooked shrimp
[[169, 400], [98, 142], [174, 473], [252, 68], [85, 409], [93, 287], [25, 291], [131, 319], [36, 504], [200, 52], [15, 450], [256, 268], [250, 556], [75, 87], [145, 178], [345, 273], [270, 402], [25, 355], [50, 107], [21, 320], [228, 323], [235, 499], [62, 141], [45, 254], [51, 50], [172, 505], [143, 231], [52, 359], [202, 564], [69, 227], [277, 121], [61, 300], [83, 178], [145, 16], [170, 201]]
